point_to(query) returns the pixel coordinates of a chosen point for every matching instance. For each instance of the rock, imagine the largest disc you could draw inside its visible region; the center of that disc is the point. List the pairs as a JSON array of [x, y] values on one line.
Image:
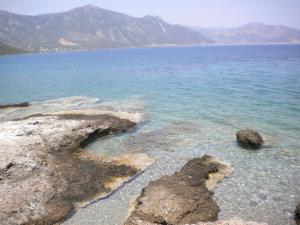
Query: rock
[[23, 104], [46, 176], [182, 198], [249, 139], [297, 214]]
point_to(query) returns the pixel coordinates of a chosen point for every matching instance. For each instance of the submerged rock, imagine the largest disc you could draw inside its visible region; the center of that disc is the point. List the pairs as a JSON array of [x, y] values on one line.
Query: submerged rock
[[249, 139], [23, 104], [44, 174], [297, 214], [169, 138], [182, 198]]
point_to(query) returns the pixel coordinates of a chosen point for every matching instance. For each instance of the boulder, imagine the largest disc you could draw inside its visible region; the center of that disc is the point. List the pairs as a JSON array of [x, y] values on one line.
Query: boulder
[[249, 139], [182, 198]]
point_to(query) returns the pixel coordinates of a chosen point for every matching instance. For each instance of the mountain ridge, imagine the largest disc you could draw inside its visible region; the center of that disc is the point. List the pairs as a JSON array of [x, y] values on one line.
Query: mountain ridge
[[252, 33], [91, 27]]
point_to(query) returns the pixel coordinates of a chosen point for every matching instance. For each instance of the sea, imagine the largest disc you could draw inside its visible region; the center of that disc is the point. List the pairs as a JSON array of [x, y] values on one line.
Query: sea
[[194, 100]]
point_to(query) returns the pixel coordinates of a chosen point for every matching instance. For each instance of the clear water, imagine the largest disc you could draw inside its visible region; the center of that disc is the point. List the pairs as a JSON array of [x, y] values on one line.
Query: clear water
[[196, 99]]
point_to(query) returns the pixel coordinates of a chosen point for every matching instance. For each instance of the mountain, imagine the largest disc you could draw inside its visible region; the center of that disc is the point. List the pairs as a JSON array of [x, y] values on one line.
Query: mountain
[[252, 33], [90, 27], [6, 49]]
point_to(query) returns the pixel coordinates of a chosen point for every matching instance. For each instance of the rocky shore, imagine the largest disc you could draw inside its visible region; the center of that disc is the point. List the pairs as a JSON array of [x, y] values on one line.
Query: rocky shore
[[45, 175]]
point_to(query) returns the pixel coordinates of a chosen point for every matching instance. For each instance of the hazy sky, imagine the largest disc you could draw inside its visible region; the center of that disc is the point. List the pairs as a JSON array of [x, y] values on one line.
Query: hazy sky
[[207, 13]]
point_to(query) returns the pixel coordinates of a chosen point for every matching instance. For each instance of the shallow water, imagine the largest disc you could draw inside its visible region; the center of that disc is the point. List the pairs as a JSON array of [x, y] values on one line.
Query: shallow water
[[195, 100]]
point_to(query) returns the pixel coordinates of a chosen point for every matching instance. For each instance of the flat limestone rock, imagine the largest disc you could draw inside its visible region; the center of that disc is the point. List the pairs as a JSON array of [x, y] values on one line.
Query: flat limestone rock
[[131, 109], [45, 175], [183, 198]]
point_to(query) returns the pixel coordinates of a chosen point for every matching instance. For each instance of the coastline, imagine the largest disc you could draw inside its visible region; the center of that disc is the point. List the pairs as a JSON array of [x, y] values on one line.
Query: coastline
[[150, 47], [196, 107], [43, 158]]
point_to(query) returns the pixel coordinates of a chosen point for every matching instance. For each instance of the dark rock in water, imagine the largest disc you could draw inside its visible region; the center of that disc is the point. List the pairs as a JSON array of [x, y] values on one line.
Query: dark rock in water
[[297, 214], [23, 104], [249, 139], [182, 198]]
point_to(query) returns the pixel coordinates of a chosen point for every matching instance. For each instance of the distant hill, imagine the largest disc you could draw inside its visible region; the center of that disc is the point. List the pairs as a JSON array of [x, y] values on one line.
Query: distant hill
[[252, 33], [6, 49], [90, 27]]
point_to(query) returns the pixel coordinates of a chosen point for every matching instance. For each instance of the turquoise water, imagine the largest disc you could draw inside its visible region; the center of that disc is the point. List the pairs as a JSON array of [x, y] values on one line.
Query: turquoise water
[[195, 99], [259, 84]]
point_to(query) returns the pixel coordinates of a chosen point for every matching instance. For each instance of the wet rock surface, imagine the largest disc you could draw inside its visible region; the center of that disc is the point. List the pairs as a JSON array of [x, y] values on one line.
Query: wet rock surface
[[17, 105], [45, 175], [249, 139], [183, 198]]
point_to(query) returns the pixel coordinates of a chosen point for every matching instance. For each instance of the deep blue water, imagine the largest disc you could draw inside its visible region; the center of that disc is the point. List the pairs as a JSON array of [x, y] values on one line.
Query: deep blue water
[[217, 88]]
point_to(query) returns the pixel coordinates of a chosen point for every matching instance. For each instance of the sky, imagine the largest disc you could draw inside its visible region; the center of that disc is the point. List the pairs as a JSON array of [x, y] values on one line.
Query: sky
[[202, 13]]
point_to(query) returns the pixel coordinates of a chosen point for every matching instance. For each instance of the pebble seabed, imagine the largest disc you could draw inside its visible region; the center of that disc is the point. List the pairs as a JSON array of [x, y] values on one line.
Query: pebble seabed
[[262, 188]]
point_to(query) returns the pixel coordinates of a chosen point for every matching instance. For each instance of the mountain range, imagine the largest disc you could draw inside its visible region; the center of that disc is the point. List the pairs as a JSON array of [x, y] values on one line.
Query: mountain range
[[252, 33], [91, 27]]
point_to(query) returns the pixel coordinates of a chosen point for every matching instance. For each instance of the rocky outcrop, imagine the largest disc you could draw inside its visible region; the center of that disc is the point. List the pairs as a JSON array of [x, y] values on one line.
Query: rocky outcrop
[[249, 139], [183, 198], [17, 105], [45, 175], [297, 214]]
